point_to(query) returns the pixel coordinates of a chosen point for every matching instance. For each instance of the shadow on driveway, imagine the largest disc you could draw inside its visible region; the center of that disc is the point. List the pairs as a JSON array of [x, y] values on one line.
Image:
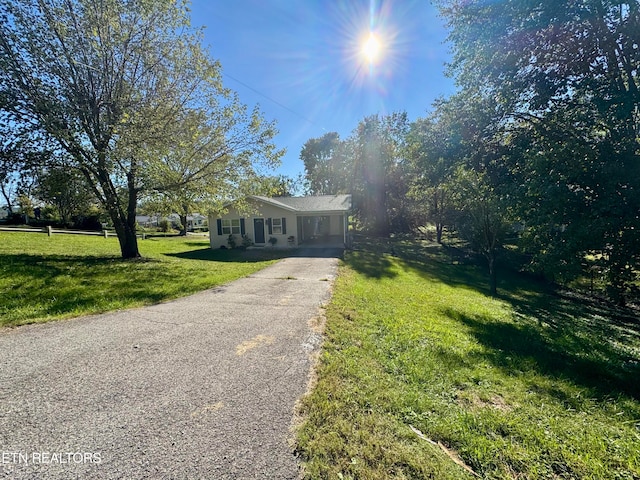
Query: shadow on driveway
[[258, 254]]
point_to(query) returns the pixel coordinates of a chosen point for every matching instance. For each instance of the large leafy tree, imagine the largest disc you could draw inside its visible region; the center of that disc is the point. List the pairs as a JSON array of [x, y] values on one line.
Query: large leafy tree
[[111, 82], [19, 163], [370, 165], [327, 164], [481, 216], [459, 173], [210, 157], [378, 185], [564, 78], [434, 147]]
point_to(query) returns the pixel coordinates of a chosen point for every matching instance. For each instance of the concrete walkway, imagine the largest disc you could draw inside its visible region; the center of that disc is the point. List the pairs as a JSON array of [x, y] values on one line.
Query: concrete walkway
[[200, 387]]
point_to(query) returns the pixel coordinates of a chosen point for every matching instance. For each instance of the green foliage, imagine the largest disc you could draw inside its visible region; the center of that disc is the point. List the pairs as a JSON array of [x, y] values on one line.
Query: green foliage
[[534, 385], [562, 82], [275, 186], [326, 164], [67, 191], [164, 226], [168, 129], [481, 216], [273, 241], [370, 166], [433, 148], [232, 241], [246, 241], [47, 278]]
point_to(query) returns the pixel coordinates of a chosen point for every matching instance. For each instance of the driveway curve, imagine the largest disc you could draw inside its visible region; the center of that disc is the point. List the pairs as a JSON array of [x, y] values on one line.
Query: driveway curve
[[200, 387]]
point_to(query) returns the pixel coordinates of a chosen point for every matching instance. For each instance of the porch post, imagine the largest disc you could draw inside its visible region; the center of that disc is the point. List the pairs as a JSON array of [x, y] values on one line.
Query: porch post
[[344, 229]]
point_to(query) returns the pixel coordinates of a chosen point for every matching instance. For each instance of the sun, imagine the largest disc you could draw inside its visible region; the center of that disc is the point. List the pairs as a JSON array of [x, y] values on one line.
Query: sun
[[372, 49]]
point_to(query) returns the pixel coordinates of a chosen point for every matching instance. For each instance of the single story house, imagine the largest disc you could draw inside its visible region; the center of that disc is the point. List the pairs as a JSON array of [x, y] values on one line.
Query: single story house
[[320, 220]]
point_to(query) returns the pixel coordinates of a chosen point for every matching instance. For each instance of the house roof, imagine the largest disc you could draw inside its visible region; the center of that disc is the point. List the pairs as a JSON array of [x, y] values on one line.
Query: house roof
[[310, 204]]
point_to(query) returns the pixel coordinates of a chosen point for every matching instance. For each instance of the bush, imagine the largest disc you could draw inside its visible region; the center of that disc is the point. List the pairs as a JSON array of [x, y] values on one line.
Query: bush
[[232, 242], [89, 222], [164, 226], [246, 241], [273, 241], [15, 219]]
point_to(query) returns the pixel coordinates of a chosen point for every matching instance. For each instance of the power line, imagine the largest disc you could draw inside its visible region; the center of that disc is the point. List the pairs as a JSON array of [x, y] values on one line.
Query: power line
[[270, 99]]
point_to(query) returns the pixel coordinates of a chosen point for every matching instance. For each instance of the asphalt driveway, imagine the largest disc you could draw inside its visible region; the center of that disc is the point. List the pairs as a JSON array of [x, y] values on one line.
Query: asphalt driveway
[[201, 387]]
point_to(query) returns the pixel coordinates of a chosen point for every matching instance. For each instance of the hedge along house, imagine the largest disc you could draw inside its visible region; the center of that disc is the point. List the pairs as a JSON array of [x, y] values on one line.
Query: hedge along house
[[285, 221]]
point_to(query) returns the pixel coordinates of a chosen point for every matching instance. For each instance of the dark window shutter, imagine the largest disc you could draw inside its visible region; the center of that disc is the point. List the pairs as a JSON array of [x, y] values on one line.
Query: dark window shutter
[[242, 230], [269, 225], [219, 222], [284, 225]]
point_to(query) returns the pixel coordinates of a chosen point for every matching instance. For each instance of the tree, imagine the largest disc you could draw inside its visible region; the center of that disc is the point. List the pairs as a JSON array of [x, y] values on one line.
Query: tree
[[481, 217], [378, 181], [110, 82], [276, 186], [66, 190], [326, 165], [17, 166], [433, 148], [564, 76], [210, 159], [369, 165]]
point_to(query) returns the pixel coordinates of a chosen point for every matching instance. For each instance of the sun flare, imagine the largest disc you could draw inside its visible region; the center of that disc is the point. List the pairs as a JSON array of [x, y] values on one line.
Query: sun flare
[[371, 48]]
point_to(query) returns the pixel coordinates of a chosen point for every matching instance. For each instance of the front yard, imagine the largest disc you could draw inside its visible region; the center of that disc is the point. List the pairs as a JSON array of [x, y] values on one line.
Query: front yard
[[47, 278], [423, 375]]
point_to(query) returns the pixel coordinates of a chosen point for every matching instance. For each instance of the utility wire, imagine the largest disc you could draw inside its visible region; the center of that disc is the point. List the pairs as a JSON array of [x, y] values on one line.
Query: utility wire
[[270, 99]]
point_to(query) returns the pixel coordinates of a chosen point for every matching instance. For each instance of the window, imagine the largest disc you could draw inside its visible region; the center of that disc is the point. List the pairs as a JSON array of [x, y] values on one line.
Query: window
[[276, 225], [231, 227]]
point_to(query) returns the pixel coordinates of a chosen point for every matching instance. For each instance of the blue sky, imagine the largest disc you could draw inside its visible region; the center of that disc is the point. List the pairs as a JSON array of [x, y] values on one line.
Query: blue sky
[[302, 61]]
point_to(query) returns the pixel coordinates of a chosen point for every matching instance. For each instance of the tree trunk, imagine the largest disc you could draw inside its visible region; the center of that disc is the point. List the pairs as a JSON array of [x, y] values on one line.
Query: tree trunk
[[439, 232], [493, 278], [7, 199], [126, 235], [129, 244], [183, 221], [124, 223]]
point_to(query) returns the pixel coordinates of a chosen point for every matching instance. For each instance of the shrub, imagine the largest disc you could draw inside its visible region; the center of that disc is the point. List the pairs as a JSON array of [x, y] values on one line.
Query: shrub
[[273, 241], [164, 225], [88, 222], [232, 242], [246, 241]]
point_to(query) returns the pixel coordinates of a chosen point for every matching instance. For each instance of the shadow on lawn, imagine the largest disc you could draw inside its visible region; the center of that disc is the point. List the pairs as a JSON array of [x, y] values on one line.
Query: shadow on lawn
[[571, 351], [49, 266], [59, 284], [560, 334], [373, 258]]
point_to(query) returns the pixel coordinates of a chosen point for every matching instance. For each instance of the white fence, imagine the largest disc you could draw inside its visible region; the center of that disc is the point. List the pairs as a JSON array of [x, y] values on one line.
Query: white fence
[[51, 231]]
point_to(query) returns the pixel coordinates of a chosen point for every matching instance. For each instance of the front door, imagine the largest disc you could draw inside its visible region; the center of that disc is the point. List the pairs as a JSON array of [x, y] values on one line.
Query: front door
[[258, 229]]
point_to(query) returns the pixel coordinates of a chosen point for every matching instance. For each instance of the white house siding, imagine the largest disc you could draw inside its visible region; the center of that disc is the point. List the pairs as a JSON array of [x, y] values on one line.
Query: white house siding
[[261, 211]]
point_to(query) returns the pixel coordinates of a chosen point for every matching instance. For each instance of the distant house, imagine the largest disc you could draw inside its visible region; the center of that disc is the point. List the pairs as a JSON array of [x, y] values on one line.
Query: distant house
[[147, 221], [194, 222], [289, 221]]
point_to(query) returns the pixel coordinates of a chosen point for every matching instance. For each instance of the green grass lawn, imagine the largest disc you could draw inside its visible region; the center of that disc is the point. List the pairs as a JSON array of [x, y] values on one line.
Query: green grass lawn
[[421, 367], [45, 278]]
